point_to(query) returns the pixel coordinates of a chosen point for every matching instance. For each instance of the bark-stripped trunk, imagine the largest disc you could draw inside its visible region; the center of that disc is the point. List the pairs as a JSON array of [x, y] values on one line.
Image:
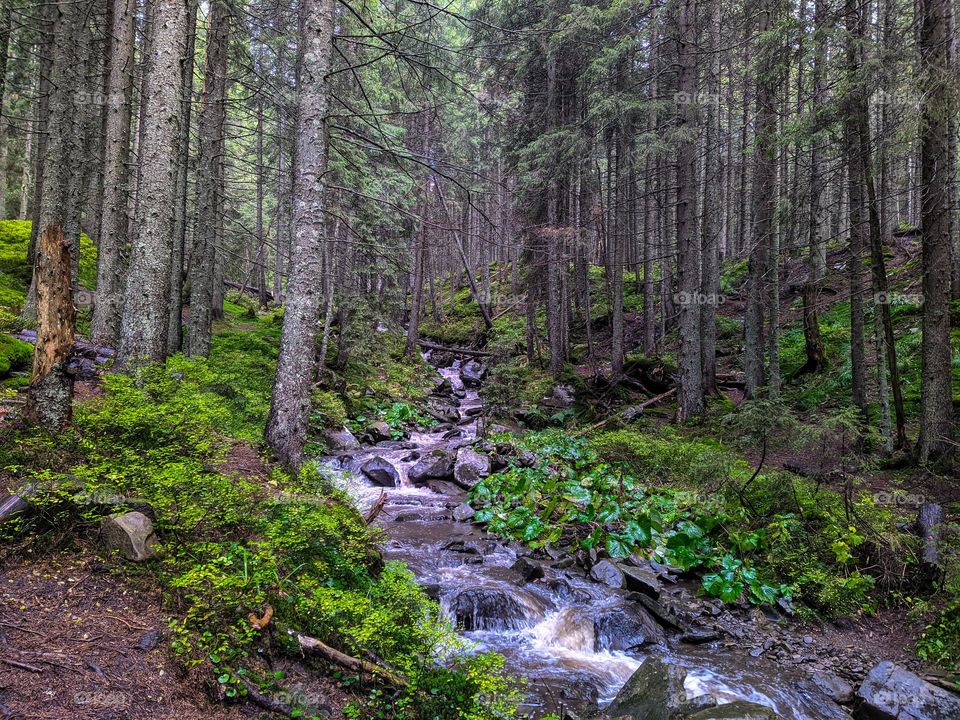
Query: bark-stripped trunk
[[286, 429], [114, 213], [50, 396], [143, 331], [203, 262]]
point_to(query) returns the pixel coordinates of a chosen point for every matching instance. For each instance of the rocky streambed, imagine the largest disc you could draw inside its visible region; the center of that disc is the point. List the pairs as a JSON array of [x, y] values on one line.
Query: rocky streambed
[[592, 636]]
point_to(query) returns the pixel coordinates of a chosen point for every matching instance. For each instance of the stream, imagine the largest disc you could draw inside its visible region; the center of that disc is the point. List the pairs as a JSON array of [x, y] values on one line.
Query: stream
[[575, 640]]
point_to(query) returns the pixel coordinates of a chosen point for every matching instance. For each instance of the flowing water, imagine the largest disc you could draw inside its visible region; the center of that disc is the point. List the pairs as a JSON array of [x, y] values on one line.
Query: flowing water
[[573, 639]]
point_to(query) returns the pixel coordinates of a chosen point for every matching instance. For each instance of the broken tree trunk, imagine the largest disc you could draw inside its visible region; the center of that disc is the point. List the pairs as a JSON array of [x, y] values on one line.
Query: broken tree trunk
[[929, 519], [50, 396]]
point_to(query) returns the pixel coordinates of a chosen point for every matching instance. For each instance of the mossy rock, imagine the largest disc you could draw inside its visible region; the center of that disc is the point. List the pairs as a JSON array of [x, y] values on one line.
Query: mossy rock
[[14, 355]]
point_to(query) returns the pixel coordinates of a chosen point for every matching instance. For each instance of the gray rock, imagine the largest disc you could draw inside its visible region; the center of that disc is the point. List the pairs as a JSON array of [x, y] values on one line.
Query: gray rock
[[626, 628], [149, 640], [379, 431], [341, 440], [608, 573], [819, 702], [527, 568], [889, 692], [665, 616], [463, 512], [561, 397], [699, 637], [381, 471], [654, 692], [492, 609], [131, 533], [833, 686], [472, 373], [641, 579], [739, 710], [438, 465], [470, 467]]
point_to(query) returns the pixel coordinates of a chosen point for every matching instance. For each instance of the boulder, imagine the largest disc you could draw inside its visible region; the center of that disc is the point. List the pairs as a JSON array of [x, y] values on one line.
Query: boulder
[[641, 579], [654, 692], [561, 397], [443, 412], [381, 471], [528, 569], [463, 512], [341, 440], [608, 573], [437, 465], [379, 431], [470, 467], [889, 692], [472, 373], [492, 609], [739, 710], [130, 533], [834, 687], [626, 628], [821, 705]]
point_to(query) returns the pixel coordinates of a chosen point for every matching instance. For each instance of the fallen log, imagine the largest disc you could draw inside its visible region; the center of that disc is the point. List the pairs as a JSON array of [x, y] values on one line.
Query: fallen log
[[457, 351], [16, 503], [248, 289], [312, 646], [636, 408], [265, 701]]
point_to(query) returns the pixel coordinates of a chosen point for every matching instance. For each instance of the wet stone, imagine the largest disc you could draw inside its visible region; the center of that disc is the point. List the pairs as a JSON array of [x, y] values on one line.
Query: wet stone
[[528, 569]]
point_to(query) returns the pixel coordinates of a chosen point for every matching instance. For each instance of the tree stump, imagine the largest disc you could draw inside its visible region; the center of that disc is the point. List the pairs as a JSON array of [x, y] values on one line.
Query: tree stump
[[50, 396]]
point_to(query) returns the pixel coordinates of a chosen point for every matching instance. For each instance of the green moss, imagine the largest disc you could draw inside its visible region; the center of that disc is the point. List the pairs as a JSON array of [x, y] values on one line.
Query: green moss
[[14, 355], [15, 270]]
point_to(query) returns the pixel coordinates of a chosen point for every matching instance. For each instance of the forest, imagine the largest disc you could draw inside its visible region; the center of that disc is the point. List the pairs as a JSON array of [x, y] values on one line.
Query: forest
[[480, 360]]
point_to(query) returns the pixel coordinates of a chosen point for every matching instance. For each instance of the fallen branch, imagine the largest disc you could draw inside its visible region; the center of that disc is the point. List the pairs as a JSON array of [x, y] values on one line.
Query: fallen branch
[[375, 508], [312, 646], [460, 351], [21, 665], [642, 406], [265, 701]]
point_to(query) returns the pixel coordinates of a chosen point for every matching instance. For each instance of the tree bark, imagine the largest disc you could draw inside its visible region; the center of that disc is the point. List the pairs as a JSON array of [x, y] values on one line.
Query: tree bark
[[114, 214], [937, 106], [203, 263], [286, 429], [50, 395], [690, 392], [143, 331]]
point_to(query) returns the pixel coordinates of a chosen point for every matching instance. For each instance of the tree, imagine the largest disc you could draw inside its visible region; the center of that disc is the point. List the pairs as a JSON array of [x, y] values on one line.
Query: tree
[[937, 107], [143, 331], [114, 214], [286, 429], [213, 113], [690, 392]]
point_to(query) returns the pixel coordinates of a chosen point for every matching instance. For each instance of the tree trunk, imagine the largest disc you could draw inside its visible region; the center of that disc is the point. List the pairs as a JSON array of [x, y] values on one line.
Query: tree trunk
[[114, 214], [143, 331], [690, 391], [203, 263], [175, 319], [936, 400], [50, 396], [286, 429]]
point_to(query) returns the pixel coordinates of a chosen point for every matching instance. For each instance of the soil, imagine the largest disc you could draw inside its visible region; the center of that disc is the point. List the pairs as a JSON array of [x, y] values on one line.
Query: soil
[[70, 633]]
